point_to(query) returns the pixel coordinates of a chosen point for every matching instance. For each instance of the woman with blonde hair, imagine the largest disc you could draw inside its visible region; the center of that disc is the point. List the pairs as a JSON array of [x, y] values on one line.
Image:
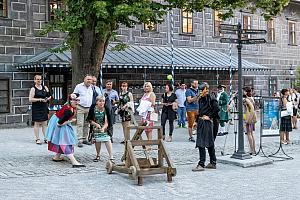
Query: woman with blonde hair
[[97, 117], [146, 107]]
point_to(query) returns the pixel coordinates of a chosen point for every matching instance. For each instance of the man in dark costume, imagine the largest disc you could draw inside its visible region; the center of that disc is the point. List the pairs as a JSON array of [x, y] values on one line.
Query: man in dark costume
[[208, 111]]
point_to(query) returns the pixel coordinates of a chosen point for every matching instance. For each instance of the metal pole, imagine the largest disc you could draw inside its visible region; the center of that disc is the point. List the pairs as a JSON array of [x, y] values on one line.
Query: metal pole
[[240, 153], [230, 69], [101, 78], [172, 46]]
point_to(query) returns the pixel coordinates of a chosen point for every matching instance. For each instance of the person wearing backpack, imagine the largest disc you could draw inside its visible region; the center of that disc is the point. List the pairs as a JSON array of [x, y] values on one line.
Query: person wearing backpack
[[97, 117], [249, 118]]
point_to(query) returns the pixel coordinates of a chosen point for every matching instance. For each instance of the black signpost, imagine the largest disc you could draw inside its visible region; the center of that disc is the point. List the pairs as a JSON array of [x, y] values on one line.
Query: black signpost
[[237, 30]]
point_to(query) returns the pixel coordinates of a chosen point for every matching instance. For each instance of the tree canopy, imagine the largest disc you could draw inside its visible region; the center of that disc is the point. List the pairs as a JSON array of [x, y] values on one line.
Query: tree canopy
[[91, 24]]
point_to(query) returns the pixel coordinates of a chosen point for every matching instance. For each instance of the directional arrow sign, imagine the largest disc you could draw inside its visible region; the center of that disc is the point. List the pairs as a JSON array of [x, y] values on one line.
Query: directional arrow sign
[[253, 31], [253, 41], [229, 40], [228, 27], [228, 31]]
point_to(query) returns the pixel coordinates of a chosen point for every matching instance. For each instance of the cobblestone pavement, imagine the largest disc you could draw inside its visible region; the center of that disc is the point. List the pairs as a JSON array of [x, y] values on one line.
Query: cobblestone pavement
[[27, 172]]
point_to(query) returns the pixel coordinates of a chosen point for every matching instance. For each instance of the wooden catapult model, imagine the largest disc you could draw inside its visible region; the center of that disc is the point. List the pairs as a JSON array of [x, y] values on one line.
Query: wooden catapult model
[[139, 167]]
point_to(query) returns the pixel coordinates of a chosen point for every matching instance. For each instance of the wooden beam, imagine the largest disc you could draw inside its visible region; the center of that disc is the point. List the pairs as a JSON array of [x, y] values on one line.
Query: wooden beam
[[144, 142]]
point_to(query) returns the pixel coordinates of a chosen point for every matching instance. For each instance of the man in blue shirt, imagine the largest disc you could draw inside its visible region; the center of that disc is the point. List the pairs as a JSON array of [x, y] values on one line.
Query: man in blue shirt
[[114, 99], [180, 93], [192, 107]]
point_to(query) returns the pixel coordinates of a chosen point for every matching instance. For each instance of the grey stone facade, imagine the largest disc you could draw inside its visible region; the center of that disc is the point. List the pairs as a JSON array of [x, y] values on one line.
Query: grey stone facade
[[20, 40]]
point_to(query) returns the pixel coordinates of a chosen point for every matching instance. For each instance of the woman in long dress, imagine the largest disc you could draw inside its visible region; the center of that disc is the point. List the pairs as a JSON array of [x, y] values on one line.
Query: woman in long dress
[[60, 133]]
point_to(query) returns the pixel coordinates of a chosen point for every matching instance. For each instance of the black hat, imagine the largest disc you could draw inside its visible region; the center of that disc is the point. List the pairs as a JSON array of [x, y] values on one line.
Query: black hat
[[222, 86]]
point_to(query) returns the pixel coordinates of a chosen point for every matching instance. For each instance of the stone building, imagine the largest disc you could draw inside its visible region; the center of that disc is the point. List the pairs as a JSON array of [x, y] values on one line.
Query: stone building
[[198, 53]]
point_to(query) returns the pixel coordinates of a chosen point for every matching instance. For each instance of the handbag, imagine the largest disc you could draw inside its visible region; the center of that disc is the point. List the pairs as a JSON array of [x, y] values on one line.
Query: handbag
[[154, 117]]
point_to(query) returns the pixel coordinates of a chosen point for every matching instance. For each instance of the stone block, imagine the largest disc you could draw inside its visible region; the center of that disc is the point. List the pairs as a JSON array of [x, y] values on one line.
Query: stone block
[[2, 30], [5, 22], [20, 76], [12, 50], [19, 23], [20, 109], [16, 101], [54, 34], [42, 9], [2, 119], [36, 25], [18, 38], [12, 31], [20, 92], [18, 6], [25, 101], [16, 84], [27, 83], [27, 51], [23, 15], [20, 59], [40, 2], [35, 8], [2, 50], [2, 67], [23, 31], [10, 68], [26, 118], [6, 75], [6, 58], [39, 16], [13, 119], [14, 15]]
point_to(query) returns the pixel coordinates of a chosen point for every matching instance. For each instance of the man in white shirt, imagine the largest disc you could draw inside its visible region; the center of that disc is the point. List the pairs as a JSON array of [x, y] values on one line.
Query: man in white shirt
[[181, 112], [85, 92]]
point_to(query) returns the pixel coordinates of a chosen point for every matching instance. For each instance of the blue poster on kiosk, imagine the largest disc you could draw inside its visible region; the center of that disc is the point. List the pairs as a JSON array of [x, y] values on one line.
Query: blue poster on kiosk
[[271, 116]]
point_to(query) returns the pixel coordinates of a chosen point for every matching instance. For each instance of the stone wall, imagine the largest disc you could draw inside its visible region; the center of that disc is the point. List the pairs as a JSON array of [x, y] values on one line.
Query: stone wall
[[20, 40]]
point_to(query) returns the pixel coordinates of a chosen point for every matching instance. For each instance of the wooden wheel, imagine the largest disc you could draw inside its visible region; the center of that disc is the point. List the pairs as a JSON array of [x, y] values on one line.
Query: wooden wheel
[[132, 170], [109, 167]]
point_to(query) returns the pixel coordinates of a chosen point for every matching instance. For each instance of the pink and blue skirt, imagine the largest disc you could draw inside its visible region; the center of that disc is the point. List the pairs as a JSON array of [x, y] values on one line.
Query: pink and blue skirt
[[61, 139]]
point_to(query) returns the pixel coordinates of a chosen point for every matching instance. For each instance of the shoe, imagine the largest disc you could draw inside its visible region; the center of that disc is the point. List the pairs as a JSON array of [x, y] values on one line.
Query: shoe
[[225, 133], [97, 159], [199, 168], [80, 145], [123, 142], [220, 134], [211, 166], [78, 166], [38, 141], [45, 141], [57, 160], [169, 139], [178, 126], [86, 142], [191, 139]]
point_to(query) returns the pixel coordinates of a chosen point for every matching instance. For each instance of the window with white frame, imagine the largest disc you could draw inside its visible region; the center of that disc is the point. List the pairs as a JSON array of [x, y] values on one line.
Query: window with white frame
[[3, 8], [247, 24], [271, 30], [292, 33], [217, 22], [187, 22]]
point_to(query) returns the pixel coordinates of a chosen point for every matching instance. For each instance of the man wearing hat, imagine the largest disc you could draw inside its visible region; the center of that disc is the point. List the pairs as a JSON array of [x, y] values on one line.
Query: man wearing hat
[[208, 111], [223, 100]]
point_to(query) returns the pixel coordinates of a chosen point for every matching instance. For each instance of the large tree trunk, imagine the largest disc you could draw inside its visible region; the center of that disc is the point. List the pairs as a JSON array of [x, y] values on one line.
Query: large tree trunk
[[87, 56]]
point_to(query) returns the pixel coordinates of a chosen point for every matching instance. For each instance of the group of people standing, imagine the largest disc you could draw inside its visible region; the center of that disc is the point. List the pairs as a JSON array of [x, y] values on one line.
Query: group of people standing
[[289, 106], [95, 110]]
